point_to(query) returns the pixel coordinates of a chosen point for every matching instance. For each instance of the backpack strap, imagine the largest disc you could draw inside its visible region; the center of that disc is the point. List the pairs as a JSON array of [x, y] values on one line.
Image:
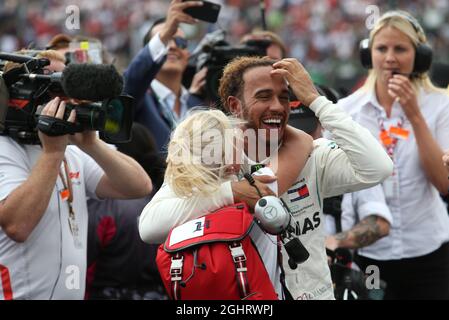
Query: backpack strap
[[286, 293], [176, 274], [239, 258]]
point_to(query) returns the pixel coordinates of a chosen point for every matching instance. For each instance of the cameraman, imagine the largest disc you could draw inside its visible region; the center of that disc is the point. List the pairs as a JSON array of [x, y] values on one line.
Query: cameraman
[[276, 49], [43, 209], [154, 77]]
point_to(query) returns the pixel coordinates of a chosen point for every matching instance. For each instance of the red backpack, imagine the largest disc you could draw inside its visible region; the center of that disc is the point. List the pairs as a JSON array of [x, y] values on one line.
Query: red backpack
[[213, 258]]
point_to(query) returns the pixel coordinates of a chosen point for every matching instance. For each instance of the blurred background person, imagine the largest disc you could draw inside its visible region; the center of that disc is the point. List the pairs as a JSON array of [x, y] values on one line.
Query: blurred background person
[[80, 49], [275, 50], [154, 77]]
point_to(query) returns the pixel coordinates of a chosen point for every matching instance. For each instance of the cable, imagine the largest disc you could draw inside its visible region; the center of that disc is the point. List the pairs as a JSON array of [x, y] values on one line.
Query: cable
[[202, 266], [252, 182], [60, 241]]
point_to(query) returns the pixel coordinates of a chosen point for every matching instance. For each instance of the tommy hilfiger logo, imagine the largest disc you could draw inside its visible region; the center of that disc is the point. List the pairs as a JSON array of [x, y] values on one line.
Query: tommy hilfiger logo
[[298, 193]]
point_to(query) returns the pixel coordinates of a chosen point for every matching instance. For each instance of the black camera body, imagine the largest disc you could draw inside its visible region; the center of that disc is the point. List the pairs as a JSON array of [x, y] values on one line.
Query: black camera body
[[29, 87], [216, 55]]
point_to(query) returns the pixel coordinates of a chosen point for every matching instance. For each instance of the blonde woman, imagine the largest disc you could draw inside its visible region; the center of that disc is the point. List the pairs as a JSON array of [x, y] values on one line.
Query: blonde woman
[[399, 105], [198, 168]]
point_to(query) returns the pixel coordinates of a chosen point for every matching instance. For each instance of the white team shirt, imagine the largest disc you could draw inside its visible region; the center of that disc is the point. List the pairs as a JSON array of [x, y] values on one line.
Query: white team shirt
[[420, 219], [357, 206], [49, 264], [357, 162]]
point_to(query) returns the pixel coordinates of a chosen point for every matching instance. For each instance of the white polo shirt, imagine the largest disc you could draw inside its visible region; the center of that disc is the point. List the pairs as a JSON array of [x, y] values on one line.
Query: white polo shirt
[[51, 263], [420, 219]]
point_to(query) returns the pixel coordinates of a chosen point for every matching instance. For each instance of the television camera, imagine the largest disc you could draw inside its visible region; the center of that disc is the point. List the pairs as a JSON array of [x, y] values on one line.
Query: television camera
[[94, 91]]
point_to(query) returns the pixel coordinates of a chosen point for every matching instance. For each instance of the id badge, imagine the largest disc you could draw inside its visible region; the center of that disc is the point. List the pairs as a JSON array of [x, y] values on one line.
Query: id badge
[[73, 225]]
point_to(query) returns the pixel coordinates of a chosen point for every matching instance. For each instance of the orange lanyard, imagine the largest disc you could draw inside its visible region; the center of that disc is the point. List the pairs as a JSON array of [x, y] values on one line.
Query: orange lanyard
[[67, 193], [387, 137]]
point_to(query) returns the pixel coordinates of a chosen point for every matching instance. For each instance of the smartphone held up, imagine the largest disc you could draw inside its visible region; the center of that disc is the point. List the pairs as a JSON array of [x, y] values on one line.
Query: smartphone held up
[[207, 12]]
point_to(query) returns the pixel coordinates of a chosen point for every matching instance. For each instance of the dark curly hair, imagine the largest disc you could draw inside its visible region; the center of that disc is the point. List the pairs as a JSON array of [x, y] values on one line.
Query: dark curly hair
[[231, 83]]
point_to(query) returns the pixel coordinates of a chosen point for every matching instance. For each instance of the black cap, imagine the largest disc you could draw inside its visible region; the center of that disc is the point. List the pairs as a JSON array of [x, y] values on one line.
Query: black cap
[[301, 117]]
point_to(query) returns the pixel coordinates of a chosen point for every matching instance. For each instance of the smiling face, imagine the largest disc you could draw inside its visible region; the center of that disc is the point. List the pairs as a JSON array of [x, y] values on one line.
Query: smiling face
[[392, 50], [177, 58], [265, 103]]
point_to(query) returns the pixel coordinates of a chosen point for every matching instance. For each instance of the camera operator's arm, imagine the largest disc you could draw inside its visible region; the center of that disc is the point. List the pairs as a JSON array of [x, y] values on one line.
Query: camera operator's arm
[[23, 208], [124, 178]]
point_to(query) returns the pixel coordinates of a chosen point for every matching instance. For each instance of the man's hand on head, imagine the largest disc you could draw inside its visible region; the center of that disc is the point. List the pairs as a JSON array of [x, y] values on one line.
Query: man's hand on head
[[298, 79], [175, 16]]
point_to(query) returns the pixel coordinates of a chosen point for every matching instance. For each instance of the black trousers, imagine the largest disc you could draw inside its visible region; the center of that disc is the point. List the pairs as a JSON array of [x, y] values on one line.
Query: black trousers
[[425, 277]]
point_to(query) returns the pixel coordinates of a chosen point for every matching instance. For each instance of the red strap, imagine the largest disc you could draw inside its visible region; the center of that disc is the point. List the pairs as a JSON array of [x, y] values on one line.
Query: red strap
[[239, 258], [176, 275], [238, 255], [6, 283]]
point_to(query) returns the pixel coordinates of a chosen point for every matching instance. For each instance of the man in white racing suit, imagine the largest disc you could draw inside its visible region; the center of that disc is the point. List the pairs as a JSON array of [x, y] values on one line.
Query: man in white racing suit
[[254, 89]]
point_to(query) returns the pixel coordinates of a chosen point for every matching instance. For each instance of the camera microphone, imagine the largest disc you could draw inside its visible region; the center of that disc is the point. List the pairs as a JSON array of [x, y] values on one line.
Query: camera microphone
[[84, 81], [18, 58], [94, 82]]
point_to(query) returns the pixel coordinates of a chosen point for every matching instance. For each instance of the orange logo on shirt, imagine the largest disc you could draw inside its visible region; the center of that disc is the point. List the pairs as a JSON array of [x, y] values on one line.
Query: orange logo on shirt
[[74, 175]]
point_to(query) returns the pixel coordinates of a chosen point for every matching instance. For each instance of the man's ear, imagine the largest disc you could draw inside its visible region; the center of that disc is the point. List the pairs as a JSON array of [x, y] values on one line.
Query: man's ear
[[235, 106]]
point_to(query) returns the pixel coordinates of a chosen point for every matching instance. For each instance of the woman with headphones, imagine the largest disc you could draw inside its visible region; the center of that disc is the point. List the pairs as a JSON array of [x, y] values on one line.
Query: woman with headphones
[[410, 116]]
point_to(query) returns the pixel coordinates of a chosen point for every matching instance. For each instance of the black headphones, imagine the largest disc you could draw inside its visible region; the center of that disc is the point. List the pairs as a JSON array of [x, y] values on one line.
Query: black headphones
[[423, 55]]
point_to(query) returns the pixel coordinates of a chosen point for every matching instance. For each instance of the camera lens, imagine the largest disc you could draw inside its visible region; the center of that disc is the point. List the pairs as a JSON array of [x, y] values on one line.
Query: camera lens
[[114, 116]]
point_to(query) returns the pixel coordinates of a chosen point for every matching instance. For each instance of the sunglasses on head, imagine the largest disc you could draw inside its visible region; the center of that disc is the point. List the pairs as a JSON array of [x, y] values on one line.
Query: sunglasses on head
[[181, 43]]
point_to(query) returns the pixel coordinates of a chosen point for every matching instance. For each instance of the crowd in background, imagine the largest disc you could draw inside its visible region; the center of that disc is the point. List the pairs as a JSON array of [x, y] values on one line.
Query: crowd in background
[[323, 34]]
